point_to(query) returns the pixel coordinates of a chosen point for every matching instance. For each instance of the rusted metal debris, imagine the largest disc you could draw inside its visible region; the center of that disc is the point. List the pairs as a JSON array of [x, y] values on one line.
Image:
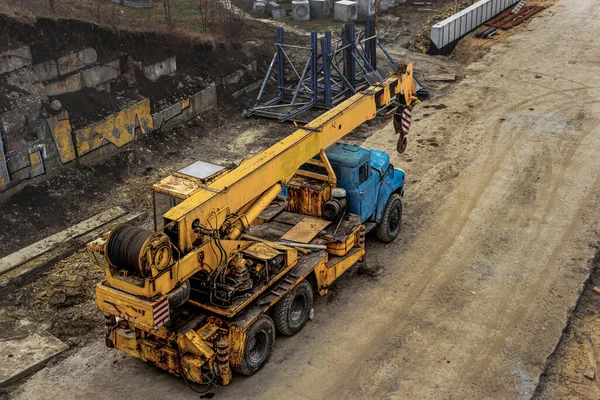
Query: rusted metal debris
[[507, 20]]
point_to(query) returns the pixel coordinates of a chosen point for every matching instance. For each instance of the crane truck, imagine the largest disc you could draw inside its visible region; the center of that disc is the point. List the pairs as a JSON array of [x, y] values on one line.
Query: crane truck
[[238, 252]]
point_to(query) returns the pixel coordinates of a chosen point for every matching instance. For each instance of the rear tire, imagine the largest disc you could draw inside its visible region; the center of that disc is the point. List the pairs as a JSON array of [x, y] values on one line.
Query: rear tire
[[291, 313], [260, 338], [389, 227]]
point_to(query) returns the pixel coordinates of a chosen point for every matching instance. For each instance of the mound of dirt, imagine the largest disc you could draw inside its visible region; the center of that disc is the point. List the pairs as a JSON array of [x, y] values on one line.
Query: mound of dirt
[[62, 302]]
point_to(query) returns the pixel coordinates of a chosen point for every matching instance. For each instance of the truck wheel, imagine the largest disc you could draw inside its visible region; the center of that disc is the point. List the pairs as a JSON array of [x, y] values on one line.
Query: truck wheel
[[260, 338], [291, 313], [389, 227]]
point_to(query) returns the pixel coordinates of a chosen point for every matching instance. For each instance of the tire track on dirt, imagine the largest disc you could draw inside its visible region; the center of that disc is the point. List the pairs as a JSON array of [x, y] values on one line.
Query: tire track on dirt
[[498, 340], [457, 222], [472, 364]]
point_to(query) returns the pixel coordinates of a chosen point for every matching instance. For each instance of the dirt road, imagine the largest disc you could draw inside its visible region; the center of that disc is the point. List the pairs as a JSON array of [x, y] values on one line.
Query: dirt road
[[501, 206]]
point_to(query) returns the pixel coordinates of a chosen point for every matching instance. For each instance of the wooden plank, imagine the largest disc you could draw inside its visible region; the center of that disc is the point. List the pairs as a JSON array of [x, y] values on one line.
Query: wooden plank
[[31, 269], [17, 258], [306, 230]]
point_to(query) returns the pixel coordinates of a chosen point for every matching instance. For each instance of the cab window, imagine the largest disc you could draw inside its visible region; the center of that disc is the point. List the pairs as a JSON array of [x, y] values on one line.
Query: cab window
[[363, 173]]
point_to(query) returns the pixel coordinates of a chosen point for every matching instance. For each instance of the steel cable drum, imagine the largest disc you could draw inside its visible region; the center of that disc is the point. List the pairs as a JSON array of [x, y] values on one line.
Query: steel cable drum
[[125, 245]]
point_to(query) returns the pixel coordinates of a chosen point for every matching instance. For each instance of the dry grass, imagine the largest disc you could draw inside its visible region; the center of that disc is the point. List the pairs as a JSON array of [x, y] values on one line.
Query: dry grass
[[203, 19]]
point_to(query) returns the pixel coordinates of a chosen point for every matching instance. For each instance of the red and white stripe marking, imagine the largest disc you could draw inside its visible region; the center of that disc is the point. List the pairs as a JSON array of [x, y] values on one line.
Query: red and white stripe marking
[[160, 312], [361, 238], [406, 117]]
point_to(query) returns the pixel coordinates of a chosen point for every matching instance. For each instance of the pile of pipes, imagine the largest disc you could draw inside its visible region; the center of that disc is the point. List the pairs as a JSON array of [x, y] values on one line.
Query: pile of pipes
[[508, 19]]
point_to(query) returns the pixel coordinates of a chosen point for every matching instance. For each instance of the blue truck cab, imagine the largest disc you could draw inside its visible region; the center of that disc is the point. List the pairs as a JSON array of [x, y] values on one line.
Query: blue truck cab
[[373, 186]]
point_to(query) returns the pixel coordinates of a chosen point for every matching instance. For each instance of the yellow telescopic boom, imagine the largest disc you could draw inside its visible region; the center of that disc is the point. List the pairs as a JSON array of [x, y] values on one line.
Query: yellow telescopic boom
[[238, 188]]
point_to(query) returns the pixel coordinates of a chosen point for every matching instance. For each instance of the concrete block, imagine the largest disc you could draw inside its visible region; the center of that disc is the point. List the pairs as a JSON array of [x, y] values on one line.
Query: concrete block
[[162, 68], [35, 267], [345, 11], [319, 8], [234, 78], [12, 60], [137, 3], [29, 88], [365, 8], [77, 60], [46, 71], [17, 258], [259, 6], [384, 5], [279, 13], [168, 113], [445, 33], [70, 84], [272, 5], [101, 74], [301, 10], [23, 353], [198, 103]]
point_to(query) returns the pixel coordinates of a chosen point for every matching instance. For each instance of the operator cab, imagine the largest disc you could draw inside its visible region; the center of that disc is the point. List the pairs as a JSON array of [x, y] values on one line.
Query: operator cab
[[182, 184]]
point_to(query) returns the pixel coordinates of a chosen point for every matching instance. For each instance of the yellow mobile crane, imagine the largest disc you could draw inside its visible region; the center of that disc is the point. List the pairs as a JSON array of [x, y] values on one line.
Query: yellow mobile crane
[[238, 252]]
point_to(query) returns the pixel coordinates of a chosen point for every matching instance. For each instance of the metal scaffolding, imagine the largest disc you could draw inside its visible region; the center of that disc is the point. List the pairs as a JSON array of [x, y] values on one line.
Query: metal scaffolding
[[323, 74]]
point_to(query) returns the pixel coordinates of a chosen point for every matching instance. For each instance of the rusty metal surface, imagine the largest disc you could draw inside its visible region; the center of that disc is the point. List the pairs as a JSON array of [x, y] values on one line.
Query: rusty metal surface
[[507, 19], [307, 196]]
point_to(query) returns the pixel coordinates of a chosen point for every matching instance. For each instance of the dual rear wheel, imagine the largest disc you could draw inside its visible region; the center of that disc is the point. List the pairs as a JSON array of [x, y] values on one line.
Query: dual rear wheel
[[288, 316]]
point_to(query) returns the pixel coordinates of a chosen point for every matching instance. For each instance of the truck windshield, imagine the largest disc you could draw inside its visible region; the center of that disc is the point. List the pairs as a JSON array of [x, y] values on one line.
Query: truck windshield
[[162, 204]]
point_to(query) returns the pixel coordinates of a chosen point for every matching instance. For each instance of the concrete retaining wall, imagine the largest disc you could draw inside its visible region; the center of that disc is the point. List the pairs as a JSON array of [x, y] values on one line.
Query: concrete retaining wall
[[186, 109], [446, 33], [69, 84], [33, 150], [101, 74], [12, 60], [75, 61], [162, 68]]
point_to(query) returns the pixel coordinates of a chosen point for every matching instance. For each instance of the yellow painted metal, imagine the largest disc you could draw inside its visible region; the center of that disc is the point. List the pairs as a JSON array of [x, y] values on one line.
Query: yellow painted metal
[[118, 129], [60, 126], [237, 339], [306, 230], [200, 344], [185, 103], [306, 196], [125, 340], [203, 257], [280, 162], [326, 274], [36, 164], [125, 305], [253, 211], [262, 251], [192, 368], [340, 249], [160, 355]]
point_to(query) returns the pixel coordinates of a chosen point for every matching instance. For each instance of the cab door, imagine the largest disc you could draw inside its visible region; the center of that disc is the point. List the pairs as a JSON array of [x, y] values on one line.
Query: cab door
[[367, 190]]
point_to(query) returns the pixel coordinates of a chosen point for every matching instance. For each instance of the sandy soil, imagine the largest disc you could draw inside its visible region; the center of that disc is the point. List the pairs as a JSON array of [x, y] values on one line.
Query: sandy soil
[[573, 369], [500, 210]]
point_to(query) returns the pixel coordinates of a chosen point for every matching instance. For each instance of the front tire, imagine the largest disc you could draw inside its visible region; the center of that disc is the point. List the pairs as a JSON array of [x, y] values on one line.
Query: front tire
[[260, 338], [291, 313], [389, 227]]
